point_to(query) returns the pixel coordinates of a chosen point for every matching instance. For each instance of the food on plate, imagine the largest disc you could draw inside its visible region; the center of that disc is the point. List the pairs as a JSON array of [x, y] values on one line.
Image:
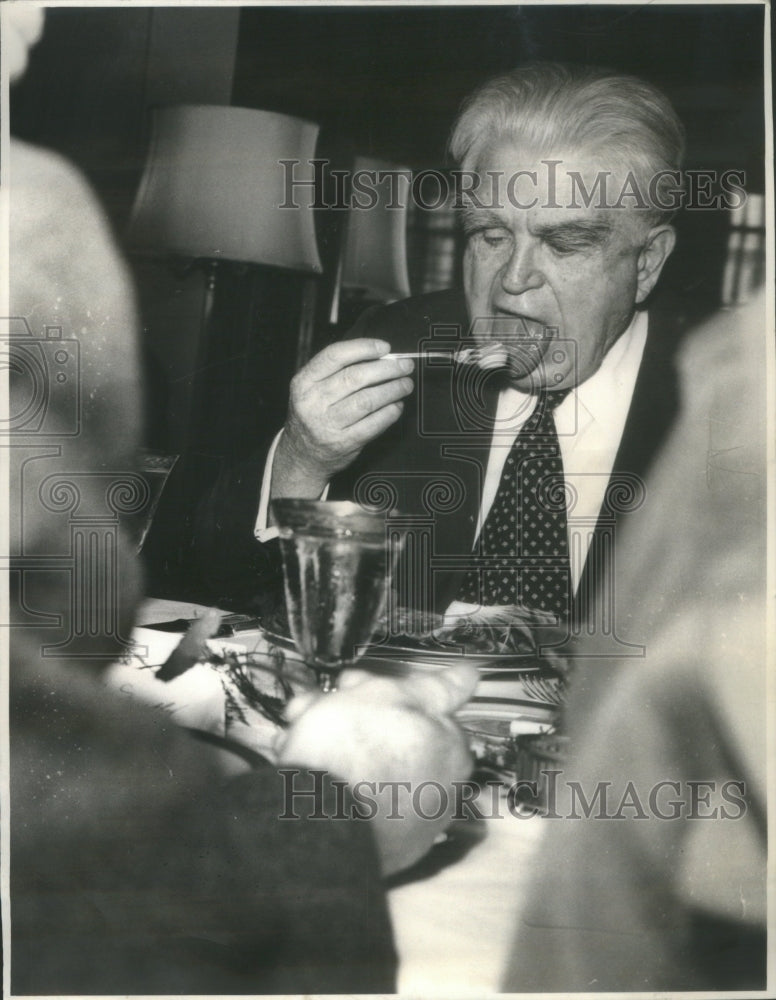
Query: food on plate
[[502, 630]]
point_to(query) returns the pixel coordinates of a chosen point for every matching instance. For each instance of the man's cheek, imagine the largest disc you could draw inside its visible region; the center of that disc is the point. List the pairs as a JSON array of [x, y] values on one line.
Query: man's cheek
[[477, 282], [468, 272]]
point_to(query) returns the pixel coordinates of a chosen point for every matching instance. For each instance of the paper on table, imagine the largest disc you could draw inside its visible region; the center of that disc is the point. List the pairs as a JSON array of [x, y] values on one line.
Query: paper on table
[[195, 699], [205, 696]]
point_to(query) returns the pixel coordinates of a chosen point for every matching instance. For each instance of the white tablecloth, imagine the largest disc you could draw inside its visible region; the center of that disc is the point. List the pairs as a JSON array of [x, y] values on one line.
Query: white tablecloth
[[455, 928], [454, 916]]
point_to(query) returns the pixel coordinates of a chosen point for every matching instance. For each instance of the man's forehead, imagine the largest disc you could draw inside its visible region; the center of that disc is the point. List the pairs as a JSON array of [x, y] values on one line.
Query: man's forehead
[[512, 167], [510, 156], [555, 187]]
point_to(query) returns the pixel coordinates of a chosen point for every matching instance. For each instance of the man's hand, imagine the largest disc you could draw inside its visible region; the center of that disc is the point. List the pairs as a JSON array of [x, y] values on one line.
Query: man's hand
[[392, 730], [344, 397]]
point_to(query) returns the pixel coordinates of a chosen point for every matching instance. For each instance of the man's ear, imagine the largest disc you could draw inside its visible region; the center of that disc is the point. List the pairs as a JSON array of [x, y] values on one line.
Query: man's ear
[[657, 249]]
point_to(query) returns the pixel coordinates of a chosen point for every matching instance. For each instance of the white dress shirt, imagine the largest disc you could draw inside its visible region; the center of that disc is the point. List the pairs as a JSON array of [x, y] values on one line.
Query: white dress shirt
[[589, 424]]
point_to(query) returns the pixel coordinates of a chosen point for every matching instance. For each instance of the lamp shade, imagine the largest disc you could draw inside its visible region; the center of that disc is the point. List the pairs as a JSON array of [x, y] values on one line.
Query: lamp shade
[[214, 183], [375, 258]]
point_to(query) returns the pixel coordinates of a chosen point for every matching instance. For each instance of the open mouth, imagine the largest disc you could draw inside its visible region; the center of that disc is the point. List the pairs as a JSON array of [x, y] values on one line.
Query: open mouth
[[514, 342]]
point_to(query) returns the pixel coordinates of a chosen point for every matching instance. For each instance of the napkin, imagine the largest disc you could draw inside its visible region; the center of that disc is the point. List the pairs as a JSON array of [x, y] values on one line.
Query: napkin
[[206, 696]]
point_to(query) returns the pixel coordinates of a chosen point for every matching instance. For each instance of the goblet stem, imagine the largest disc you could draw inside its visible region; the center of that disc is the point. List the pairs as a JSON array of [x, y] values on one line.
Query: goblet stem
[[327, 681]]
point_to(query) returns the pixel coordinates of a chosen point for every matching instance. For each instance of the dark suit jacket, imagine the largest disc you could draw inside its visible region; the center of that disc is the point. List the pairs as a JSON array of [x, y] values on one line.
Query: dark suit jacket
[[137, 869], [429, 466]]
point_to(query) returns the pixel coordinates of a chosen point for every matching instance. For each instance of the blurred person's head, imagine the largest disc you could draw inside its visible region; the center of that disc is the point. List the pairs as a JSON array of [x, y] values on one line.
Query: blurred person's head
[[22, 26], [74, 414], [567, 227]]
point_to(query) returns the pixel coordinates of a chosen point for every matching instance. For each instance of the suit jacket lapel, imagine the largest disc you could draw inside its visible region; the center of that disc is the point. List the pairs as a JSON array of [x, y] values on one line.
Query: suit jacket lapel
[[467, 457], [652, 412]]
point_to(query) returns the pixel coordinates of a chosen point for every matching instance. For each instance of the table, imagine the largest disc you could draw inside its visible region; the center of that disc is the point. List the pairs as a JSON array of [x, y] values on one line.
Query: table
[[455, 914], [454, 928]]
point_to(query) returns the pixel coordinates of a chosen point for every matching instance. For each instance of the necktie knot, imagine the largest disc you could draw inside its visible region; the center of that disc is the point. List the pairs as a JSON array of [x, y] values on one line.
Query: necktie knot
[[546, 404], [555, 397]]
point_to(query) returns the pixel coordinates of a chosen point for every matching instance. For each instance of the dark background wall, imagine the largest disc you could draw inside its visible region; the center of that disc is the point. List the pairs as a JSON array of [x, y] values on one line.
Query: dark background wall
[[393, 78], [388, 82], [384, 82], [380, 81]]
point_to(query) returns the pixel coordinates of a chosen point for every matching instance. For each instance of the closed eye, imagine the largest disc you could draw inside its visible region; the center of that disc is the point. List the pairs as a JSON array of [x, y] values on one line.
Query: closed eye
[[565, 247], [484, 226], [570, 239], [495, 237]]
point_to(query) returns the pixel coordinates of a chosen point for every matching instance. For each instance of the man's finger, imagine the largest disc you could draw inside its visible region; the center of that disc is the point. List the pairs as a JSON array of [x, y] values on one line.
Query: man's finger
[[353, 677], [299, 704], [352, 409], [443, 692], [439, 692], [367, 374], [345, 352], [364, 431]]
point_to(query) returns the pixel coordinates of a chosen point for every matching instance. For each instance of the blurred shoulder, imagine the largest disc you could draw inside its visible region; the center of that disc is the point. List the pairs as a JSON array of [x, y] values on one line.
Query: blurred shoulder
[[43, 178], [56, 218]]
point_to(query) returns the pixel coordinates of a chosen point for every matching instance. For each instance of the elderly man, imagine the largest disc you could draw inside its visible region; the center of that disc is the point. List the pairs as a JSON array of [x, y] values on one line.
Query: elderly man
[[505, 461]]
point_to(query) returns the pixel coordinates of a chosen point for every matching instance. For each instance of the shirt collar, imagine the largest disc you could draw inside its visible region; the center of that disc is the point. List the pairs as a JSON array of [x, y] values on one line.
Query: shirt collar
[[594, 400], [600, 396]]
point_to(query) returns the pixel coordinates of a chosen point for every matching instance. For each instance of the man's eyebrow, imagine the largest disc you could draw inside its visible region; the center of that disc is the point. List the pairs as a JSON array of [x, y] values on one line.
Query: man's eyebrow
[[478, 218], [594, 230]]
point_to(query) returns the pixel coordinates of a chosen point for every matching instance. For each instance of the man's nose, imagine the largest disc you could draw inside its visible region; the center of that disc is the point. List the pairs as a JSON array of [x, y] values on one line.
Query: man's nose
[[521, 272]]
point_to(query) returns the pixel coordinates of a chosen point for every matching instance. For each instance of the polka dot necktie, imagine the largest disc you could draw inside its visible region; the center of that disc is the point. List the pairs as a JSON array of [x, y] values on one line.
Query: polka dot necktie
[[522, 556]]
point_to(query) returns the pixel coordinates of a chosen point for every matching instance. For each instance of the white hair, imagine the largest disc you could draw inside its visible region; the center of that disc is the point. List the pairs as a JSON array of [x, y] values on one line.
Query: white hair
[[547, 106]]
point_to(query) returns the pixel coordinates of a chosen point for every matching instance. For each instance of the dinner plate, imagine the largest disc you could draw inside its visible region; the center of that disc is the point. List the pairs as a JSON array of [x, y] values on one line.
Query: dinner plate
[[417, 656], [519, 679], [505, 718], [445, 655], [493, 727]]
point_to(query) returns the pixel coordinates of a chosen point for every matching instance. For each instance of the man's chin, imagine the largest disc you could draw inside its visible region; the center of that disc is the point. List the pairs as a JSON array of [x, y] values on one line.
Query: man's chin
[[517, 362], [525, 358], [531, 385]]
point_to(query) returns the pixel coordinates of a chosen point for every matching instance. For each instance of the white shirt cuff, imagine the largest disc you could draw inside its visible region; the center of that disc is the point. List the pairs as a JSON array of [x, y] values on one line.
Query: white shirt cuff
[[261, 530]]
